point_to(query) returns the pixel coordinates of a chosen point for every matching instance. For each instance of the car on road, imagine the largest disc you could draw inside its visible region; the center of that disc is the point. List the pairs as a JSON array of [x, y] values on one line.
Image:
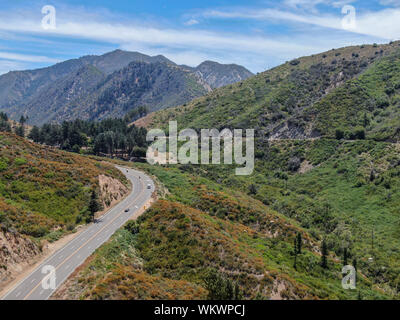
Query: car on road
[[149, 186], [127, 210]]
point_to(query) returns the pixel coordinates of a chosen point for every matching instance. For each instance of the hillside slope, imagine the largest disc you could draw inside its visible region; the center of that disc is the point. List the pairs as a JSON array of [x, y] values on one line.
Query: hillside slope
[[90, 95], [218, 75], [306, 98], [327, 150], [44, 194], [201, 226]]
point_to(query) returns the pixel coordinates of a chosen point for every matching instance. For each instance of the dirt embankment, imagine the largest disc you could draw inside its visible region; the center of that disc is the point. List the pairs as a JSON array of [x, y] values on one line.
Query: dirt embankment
[[15, 252], [112, 191]]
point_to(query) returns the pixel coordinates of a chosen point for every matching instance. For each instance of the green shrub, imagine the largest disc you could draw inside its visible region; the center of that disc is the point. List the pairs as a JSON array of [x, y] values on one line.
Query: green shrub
[[132, 227], [339, 134], [3, 165], [20, 161]]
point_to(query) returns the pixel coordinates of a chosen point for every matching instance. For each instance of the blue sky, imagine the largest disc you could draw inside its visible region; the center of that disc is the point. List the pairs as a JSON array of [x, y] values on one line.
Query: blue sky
[[258, 34]]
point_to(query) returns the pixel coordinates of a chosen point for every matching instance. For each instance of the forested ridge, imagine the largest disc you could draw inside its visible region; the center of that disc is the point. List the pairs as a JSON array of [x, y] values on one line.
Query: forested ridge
[[113, 137]]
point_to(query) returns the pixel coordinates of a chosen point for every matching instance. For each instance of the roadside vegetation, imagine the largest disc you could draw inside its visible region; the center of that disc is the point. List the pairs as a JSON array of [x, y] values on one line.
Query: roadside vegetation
[[45, 192]]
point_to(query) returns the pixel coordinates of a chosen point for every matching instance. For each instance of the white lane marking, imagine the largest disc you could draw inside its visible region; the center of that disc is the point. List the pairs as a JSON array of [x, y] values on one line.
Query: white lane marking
[[61, 257], [33, 280], [17, 295], [67, 267], [41, 292], [79, 256]]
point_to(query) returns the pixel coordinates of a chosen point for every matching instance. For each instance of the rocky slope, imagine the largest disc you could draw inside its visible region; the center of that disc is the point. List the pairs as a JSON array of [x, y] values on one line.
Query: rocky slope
[[15, 250], [218, 75]]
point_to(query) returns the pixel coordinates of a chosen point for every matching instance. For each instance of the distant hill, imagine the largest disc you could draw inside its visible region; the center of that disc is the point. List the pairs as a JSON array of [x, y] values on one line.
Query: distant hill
[[348, 90], [218, 75], [80, 88]]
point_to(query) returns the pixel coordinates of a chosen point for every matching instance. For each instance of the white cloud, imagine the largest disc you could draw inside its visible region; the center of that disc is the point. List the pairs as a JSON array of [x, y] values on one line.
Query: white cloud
[[6, 66], [394, 3], [328, 21], [26, 58], [313, 4], [187, 45], [384, 24], [191, 22], [192, 45]]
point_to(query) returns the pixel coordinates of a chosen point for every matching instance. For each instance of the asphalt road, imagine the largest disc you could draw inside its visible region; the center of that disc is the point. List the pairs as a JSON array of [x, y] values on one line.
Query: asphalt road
[[39, 285]]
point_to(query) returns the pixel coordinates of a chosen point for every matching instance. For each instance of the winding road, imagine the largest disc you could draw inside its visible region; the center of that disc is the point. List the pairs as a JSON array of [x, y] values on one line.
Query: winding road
[[46, 278]]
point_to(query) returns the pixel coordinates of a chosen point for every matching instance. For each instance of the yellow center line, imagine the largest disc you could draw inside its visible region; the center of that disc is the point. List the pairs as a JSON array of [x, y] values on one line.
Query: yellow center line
[[72, 254]]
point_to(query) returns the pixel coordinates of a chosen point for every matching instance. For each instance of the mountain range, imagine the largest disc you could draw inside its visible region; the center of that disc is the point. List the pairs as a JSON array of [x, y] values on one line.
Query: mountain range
[[110, 85], [324, 193]]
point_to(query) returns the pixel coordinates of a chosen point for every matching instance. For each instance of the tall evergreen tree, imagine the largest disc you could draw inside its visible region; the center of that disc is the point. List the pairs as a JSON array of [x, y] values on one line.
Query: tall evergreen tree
[[238, 293], [20, 131], [324, 258], [94, 205], [230, 294], [295, 251], [34, 134], [299, 242], [355, 263], [345, 256], [22, 120]]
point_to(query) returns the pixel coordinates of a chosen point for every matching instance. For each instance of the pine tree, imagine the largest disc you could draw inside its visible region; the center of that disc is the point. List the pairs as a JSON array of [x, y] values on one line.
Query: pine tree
[[230, 294], [295, 250], [94, 205], [345, 256], [324, 258], [299, 243], [22, 120], [366, 120], [34, 134], [238, 294], [20, 131], [355, 263], [252, 189]]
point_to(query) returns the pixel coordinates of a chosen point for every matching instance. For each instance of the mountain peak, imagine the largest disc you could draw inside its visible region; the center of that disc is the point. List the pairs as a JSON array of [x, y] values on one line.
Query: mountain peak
[[219, 75]]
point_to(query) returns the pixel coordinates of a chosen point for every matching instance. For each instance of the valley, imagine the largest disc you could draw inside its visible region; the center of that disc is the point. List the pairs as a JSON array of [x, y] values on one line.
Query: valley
[[324, 193]]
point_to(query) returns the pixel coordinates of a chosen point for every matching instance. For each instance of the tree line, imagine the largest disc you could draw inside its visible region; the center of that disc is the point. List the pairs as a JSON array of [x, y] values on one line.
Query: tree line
[[4, 124], [113, 137]]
